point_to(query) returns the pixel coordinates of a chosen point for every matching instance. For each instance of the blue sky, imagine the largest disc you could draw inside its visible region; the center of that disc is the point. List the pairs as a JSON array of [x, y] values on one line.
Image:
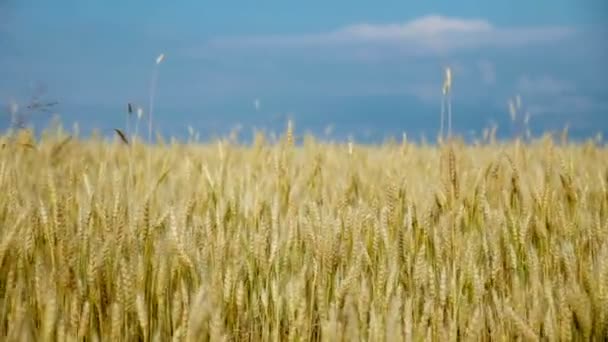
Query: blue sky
[[369, 69]]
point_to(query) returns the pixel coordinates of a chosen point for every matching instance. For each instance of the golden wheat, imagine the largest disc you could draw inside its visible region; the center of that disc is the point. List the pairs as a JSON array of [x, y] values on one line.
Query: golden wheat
[[314, 242]]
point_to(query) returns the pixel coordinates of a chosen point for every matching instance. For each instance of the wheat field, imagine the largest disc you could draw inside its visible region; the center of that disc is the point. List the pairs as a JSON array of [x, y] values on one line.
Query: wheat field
[[104, 240]]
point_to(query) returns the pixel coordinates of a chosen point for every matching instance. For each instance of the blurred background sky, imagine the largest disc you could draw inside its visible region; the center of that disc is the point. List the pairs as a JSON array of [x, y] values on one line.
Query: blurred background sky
[[369, 69]]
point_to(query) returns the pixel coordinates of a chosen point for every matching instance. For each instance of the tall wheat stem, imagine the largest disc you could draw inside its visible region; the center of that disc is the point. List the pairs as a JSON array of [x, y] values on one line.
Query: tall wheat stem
[[160, 58]]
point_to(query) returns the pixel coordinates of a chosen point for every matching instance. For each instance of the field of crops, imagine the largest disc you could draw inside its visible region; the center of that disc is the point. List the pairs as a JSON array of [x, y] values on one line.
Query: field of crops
[[113, 240]]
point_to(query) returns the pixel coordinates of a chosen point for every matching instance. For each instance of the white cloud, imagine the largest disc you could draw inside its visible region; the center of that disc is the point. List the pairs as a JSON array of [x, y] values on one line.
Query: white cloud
[[569, 105], [544, 85], [432, 33], [430, 26]]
